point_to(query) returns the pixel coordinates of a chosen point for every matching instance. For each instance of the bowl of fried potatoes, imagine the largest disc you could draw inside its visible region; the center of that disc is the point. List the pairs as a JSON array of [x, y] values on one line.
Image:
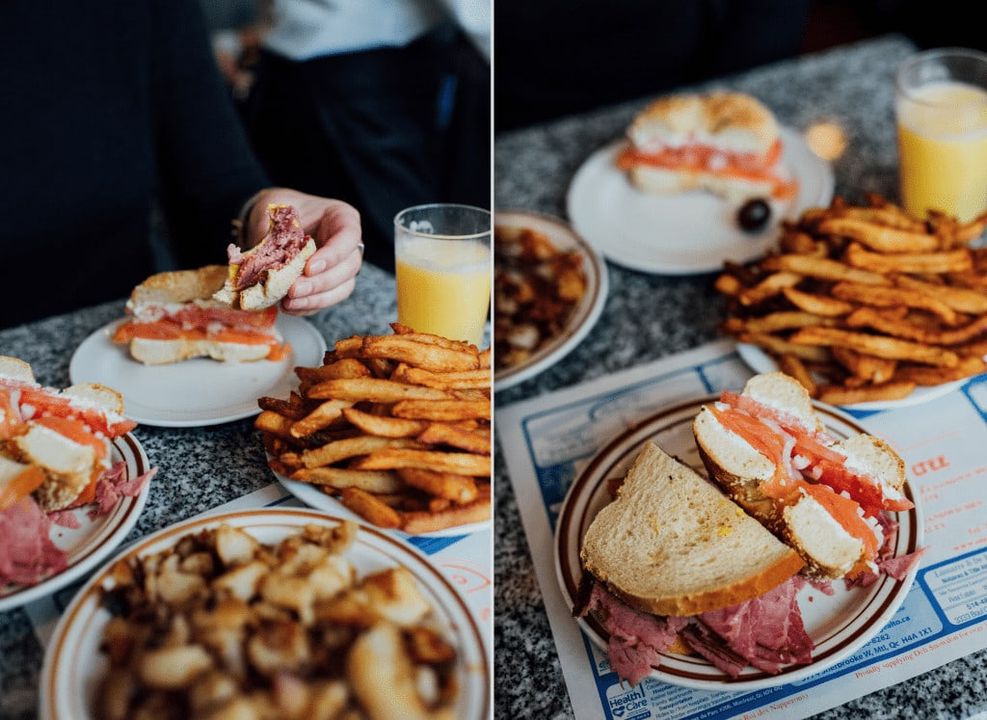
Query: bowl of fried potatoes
[[269, 613], [392, 429], [550, 287], [866, 306]]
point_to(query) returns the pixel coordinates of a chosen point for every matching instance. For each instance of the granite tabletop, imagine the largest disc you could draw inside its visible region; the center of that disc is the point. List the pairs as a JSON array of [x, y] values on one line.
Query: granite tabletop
[[199, 468], [648, 316]]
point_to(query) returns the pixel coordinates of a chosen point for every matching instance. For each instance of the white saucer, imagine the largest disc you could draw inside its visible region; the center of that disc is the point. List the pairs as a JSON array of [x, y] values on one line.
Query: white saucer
[[684, 233], [196, 392]]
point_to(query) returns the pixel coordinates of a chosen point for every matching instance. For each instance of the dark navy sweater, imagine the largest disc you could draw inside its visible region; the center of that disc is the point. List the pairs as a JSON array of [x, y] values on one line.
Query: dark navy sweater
[[105, 107]]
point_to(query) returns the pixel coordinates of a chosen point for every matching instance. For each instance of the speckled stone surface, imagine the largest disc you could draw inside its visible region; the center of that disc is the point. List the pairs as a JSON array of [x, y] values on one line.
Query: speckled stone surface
[[647, 317], [200, 468]]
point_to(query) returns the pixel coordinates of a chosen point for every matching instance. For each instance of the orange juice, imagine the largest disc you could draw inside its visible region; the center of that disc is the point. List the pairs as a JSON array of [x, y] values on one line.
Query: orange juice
[[444, 286], [942, 147]]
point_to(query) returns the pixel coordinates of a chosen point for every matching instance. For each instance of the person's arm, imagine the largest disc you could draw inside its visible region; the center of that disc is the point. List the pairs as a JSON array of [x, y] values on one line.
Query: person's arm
[[206, 170]]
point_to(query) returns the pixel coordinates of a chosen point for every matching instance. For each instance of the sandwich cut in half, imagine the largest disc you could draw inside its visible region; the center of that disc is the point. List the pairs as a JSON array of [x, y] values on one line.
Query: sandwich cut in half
[[55, 444], [828, 498], [261, 277], [678, 565], [173, 317], [726, 143], [55, 456]]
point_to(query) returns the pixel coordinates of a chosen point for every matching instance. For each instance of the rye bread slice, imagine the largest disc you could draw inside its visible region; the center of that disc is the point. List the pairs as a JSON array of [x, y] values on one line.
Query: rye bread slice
[[673, 544]]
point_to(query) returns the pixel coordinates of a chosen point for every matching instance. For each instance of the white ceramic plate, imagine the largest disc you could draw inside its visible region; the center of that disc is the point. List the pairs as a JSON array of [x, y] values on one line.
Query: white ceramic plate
[[682, 233], [586, 312], [759, 361], [315, 498], [195, 392], [89, 544], [73, 663], [838, 625]]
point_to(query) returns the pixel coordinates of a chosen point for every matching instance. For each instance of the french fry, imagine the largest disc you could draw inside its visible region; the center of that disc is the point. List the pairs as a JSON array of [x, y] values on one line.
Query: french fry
[[279, 467], [877, 237], [271, 422], [370, 508], [962, 299], [972, 230], [728, 285], [817, 304], [783, 320], [768, 288], [370, 481], [458, 488], [443, 434], [374, 390], [976, 348], [343, 368], [889, 217], [949, 261], [895, 297], [429, 339], [398, 458], [350, 447], [477, 395], [779, 346], [920, 375], [899, 327], [877, 345], [801, 243], [384, 426], [323, 416], [442, 410], [467, 379], [792, 366], [419, 523], [380, 368], [284, 408], [866, 368], [346, 348], [416, 354], [823, 269], [870, 393], [437, 505], [368, 406]]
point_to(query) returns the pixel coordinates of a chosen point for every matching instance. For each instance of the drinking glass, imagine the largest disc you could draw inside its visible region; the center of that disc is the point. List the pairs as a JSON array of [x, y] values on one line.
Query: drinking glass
[[941, 105], [442, 260]]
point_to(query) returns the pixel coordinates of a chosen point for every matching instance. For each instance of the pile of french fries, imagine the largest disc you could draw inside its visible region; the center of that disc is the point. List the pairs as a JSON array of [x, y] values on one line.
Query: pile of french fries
[[396, 426], [865, 303]]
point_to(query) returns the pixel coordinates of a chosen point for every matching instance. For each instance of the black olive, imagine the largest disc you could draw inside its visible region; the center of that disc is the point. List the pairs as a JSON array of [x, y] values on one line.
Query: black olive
[[754, 215]]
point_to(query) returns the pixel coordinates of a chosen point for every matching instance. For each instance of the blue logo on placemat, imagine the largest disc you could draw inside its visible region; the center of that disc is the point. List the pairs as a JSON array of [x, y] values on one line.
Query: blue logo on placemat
[[628, 704]]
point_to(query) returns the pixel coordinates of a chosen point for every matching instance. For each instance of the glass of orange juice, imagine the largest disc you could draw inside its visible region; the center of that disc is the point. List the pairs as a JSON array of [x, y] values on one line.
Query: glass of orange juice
[[942, 132], [442, 258]]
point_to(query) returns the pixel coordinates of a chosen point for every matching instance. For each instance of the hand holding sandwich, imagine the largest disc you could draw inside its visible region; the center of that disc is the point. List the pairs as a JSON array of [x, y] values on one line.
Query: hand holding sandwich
[[330, 273]]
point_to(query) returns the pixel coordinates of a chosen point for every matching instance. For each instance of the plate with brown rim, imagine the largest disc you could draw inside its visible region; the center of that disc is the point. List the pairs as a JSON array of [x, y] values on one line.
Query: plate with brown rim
[[74, 664], [583, 316], [839, 625]]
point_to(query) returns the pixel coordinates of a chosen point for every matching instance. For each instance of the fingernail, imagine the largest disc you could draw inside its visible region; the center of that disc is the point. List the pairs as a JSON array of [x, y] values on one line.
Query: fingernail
[[317, 267], [302, 287], [299, 303]]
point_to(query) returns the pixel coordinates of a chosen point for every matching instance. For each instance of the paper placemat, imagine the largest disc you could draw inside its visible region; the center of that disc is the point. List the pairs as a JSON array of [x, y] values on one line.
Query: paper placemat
[[549, 439], [464, 560]]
